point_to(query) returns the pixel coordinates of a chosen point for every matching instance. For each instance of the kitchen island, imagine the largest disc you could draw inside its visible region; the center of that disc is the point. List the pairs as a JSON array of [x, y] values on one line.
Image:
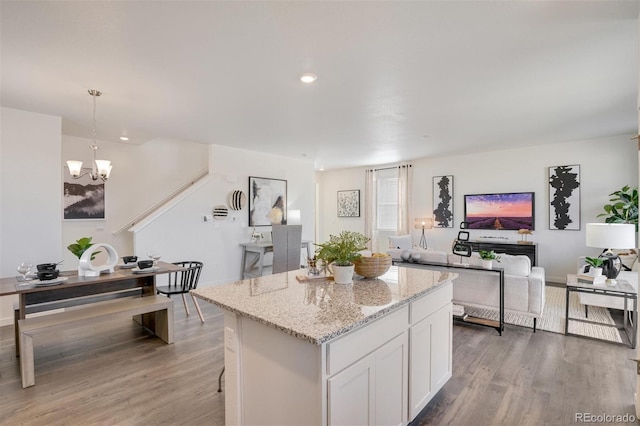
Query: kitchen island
[[319, 353]]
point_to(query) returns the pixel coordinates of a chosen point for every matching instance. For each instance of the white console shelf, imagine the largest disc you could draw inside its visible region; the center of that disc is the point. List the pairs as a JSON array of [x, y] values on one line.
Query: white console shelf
[[318, 353]]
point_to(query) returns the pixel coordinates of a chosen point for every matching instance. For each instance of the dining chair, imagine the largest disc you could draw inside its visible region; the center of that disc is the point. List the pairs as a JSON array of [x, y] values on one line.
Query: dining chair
[[181, 282], [287, 240]]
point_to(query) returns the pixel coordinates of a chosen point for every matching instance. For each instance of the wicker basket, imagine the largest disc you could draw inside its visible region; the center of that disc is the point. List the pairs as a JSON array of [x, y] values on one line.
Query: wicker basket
[[372, 266]]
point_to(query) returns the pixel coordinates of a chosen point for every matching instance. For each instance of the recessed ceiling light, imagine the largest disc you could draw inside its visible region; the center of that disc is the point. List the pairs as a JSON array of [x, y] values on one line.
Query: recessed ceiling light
[[124, 138], [308, 78]]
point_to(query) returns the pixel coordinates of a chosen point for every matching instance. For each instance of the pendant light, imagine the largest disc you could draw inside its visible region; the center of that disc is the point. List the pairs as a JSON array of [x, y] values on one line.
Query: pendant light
[[100, 169]]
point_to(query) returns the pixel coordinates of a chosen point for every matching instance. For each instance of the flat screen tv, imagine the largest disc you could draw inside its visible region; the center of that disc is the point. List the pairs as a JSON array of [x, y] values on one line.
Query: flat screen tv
[[506, 211]]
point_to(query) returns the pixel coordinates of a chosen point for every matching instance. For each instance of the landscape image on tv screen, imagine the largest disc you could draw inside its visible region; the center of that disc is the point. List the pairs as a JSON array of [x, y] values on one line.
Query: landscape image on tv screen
[[508, 211]]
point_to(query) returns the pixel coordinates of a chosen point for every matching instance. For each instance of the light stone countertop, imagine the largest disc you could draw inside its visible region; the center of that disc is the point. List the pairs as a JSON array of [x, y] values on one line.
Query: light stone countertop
[[320, 310]]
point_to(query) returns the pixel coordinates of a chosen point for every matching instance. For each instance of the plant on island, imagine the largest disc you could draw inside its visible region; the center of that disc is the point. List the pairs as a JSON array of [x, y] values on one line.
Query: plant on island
[[342, 250]]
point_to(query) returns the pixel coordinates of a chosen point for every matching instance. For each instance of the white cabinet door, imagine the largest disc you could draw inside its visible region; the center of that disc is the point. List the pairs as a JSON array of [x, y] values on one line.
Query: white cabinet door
[[441, 355], [351, 394], [392, 382], [430, 358], [373, 391]]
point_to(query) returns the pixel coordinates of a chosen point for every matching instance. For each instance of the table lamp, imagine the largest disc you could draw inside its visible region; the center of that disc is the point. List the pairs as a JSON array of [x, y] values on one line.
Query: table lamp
[[423, 223], [609, 236]]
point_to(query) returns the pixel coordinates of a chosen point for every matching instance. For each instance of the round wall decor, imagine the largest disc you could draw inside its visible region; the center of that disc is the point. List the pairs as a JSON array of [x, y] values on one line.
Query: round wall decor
[[237, 200], [220, 212]]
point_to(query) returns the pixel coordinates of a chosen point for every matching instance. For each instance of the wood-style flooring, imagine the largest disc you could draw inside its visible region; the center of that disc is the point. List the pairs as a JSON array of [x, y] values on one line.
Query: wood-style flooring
[[116, 374]]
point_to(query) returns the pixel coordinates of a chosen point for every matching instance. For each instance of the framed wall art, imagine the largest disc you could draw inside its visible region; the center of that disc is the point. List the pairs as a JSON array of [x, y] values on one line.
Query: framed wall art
[[82, 198], [564, 198], [349, 203], [267, 201], [443, 201]]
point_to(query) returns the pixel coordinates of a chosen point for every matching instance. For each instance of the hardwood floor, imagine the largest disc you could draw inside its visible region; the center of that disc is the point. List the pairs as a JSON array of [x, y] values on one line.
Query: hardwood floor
[[115, 374]]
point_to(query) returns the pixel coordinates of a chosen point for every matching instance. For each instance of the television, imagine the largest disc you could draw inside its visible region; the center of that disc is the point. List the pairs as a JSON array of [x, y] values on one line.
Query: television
[[504, 211]]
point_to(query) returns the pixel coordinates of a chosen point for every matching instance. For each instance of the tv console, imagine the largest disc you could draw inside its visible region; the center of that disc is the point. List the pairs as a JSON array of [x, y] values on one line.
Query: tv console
[[513, 248]]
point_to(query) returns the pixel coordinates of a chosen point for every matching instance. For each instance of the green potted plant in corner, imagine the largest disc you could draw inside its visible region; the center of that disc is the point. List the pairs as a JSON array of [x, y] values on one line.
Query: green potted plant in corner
[[340, 252], [488, 256], [623, 209], [595, 264]]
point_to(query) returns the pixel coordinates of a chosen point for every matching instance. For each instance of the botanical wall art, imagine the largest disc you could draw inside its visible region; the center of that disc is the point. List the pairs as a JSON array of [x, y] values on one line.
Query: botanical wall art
[[83, 198], [564, 197], [267, 201], [349, 203], [443, 201]]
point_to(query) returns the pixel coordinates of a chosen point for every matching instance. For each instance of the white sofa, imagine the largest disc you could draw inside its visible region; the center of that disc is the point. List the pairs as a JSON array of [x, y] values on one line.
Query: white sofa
[[524, 286]]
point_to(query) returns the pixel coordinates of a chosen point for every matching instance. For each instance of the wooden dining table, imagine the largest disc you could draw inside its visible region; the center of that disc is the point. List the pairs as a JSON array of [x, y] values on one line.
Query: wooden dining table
[[76, 290]]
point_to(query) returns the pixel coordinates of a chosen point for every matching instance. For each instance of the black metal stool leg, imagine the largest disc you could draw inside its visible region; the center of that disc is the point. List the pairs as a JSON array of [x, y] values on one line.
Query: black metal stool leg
[[220, 380]]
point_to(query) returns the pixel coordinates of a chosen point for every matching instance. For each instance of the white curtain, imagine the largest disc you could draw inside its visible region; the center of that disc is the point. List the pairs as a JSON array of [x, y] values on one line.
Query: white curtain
[[405, 183], [370, 208]]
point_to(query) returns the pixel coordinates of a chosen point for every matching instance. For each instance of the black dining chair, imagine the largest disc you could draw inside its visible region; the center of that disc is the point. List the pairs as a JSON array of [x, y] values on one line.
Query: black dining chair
[[181, 282]]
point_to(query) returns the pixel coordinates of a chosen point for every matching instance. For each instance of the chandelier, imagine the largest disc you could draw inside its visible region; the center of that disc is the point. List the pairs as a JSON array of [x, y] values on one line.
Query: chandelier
[[100, 169]]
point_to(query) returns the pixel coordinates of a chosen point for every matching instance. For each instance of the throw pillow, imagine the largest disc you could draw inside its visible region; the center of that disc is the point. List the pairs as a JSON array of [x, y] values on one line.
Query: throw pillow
[[402, 242]]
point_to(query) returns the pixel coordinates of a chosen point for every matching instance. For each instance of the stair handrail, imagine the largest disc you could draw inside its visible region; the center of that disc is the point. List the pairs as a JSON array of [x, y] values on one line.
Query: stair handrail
[[163, 202]]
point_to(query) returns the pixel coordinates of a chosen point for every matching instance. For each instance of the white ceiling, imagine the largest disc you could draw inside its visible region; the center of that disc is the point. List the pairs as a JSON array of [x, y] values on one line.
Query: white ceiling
[[396, 80]]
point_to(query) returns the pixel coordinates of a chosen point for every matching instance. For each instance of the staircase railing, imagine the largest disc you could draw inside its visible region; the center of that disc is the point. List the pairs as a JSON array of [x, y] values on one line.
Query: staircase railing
[[165, 203]]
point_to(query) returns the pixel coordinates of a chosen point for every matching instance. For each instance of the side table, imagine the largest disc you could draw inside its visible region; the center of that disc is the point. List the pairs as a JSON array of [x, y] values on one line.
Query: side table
[[497, 325], [622, 289]]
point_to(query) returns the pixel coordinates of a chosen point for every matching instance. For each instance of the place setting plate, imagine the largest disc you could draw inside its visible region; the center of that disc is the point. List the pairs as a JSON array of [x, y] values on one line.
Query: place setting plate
[[137, 270], [127, 266], [42, 283]]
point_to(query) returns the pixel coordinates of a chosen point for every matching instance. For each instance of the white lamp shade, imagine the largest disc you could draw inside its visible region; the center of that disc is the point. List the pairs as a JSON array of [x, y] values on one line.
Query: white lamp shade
[[611, 235], [104, 167], [423, 222], [293, 217], [74, 167]]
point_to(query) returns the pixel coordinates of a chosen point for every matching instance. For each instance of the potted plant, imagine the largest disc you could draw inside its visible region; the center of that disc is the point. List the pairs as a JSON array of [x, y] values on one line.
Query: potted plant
[[595, 264], [488, 256], [339, 253], [80, 246], [623, 207]]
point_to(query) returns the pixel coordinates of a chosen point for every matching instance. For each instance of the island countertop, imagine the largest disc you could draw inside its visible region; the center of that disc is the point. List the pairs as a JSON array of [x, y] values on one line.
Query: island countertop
[[320, 310]]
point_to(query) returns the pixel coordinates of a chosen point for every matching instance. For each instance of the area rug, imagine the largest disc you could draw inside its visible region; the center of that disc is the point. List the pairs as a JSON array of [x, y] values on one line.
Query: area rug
[[553, 317]]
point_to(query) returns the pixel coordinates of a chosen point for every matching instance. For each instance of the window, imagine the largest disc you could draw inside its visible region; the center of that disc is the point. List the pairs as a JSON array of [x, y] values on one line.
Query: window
[[387, 200]]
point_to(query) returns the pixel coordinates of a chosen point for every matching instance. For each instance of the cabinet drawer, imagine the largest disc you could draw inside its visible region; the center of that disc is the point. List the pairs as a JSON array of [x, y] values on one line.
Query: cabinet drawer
[[354, 345], [430, 302]]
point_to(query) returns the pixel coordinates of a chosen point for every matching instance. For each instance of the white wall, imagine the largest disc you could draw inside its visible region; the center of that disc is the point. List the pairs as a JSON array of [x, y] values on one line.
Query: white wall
[[605, 166], [30, 185], [180, 234], [142, 175], [330, 183]]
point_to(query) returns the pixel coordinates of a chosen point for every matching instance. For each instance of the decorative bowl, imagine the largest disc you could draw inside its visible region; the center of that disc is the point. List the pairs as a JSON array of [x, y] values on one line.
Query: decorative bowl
[[373, 266], [48, 275], [144, 264], [46, 266]]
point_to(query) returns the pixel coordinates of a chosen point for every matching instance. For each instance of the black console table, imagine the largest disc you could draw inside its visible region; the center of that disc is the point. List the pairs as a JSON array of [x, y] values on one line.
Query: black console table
[[530, 250], [498, 325]]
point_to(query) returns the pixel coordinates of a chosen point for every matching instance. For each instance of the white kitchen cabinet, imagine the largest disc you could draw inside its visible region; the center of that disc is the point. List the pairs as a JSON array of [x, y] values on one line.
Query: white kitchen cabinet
[[373, 391], [290, 363], [430, 357]]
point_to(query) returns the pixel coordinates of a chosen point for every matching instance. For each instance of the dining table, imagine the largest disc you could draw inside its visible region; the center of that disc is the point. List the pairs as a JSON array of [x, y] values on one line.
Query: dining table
[[70, 289]]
